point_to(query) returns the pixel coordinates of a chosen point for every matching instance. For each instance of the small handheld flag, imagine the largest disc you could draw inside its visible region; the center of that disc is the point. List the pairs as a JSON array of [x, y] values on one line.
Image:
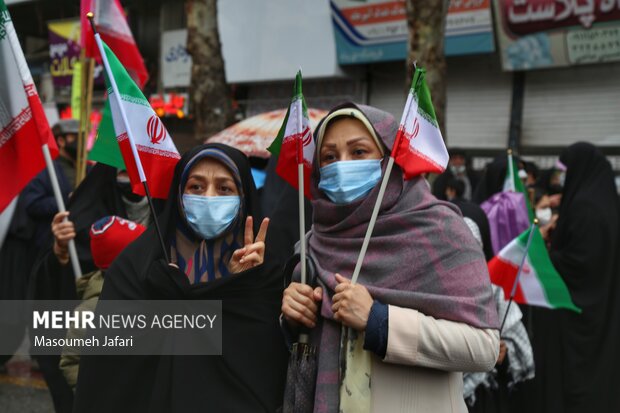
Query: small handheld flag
[[419, 147], [294, 144], [159, 160], [527, 275]]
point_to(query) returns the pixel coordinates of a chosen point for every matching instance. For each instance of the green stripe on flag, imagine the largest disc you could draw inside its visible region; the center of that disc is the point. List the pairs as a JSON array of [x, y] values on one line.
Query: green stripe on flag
[[422, 94], [275, 146], [553, 285], [518, 185], [128, 89], [105, 149]]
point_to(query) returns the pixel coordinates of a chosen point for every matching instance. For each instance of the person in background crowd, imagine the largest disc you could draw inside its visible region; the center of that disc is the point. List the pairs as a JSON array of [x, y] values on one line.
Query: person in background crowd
[[281, 199], [30, 235], [38, 196], [492, 179], [577, 355], [471, 211], [440, 319], [108, 237], [532, 172], [497, 390], [208, 223], [103, 192], [458, 167]]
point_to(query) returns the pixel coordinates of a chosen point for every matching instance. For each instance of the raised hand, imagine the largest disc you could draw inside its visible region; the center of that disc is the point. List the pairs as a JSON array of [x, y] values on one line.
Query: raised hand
[[64, 231], [253, 251]]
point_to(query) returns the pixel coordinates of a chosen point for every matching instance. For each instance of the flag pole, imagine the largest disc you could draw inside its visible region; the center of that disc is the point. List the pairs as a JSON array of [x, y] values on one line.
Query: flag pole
[[301, 187], [533, 227], [513, 186], [130, 138], [75, 263], [303, 336]]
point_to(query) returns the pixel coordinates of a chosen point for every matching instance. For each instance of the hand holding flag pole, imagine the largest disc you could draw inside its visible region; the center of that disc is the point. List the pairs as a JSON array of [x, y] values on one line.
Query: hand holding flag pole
[[533, 227], [130, 136], [75, 262]]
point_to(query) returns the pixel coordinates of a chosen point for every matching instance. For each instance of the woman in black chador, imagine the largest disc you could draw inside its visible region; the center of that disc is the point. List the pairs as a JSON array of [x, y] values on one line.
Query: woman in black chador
[[210, 238], [577, 355]]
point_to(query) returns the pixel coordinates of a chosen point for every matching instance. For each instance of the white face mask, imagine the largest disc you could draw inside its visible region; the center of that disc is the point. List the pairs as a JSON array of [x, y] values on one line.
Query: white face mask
[[562, 178], [543, 215]]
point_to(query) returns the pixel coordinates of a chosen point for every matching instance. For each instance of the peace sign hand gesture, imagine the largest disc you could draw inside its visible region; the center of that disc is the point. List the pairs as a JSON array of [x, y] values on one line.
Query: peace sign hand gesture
[[253, 251]]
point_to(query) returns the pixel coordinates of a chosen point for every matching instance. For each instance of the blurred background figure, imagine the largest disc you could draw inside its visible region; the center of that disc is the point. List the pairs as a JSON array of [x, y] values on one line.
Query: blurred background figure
[[459, 167], [577, 354], [30, 226], [108, 238]]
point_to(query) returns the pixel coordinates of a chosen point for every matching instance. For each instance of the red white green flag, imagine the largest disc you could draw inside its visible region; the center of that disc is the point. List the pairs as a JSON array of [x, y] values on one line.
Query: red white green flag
[[157, 153], [294, 143], [539, 283], [23, 125], [112, 25], [419, 147]]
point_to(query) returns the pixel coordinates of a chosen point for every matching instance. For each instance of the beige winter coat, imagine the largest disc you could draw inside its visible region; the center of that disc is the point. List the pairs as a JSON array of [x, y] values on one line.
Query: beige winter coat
[[425, 358]]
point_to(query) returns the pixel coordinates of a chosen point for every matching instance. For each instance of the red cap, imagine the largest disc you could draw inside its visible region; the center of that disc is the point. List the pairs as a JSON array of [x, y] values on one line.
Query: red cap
[[109, 236]]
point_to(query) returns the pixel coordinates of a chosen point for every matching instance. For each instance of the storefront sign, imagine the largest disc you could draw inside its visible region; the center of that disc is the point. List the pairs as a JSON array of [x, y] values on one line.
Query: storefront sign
[[64, 39], [549, 33], [376, 30], [176, 63]]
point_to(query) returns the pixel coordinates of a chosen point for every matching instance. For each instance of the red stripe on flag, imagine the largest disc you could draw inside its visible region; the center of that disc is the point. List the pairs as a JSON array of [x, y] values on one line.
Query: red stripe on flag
[[21, 159], [158, 168], [287, 166], [503, 274]]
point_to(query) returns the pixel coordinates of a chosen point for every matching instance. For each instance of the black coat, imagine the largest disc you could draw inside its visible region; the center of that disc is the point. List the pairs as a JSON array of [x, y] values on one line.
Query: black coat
[[249, 375], [577, 355]]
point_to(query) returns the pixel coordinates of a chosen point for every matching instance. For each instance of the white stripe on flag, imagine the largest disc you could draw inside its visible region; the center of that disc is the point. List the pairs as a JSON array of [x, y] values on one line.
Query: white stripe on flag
[[530, 286]]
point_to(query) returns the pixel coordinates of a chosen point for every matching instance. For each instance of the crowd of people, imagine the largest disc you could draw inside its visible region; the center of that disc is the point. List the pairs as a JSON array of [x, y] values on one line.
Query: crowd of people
[[418, 332]]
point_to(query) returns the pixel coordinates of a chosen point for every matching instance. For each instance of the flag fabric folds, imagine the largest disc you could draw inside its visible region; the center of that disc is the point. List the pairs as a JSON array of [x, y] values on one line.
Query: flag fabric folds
[[157, 151], [294, 143], [539, 283], [419, 147], [23, 125], [112, 25]]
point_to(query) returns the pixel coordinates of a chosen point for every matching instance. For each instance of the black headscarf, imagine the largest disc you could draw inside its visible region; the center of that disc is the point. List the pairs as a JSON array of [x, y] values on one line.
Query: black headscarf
[[492, 180], [577, 355], [247, 377], [97, 196]]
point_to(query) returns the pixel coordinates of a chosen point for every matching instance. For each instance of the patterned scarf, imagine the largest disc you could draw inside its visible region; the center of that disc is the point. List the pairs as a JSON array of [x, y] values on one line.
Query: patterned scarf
[[421, 256], [206, 260]]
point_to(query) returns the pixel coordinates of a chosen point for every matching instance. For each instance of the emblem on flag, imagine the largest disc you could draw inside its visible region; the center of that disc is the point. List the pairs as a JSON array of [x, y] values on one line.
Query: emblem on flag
[[155, 129]]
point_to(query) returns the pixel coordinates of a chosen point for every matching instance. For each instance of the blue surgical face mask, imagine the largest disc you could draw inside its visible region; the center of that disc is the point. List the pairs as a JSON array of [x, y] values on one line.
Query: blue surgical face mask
[[209, 216], [346, 181]]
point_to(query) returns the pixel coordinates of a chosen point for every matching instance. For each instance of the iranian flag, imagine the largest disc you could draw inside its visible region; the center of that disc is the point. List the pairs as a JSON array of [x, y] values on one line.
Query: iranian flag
[[132, 119], [294, 143], [512, 183], [539, 283], [112, 25], [419, 146], [23, 126]]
